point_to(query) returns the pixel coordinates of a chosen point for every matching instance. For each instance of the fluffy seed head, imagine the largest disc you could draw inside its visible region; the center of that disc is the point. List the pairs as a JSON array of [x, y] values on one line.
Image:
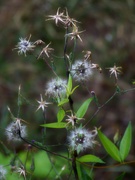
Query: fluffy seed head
[[81, 139], [81, 70], [13, 130], [56, 88], [24, 46], [3, 172]]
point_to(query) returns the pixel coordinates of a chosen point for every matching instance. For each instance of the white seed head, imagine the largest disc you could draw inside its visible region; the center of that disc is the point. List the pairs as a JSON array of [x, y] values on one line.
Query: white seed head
[[3, 172], [81, 139], [81, 71], [13, 130], [56, 88], [24, 46]]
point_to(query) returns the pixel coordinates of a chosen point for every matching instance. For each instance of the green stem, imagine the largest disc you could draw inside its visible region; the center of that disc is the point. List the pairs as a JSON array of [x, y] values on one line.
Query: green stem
[[115, 93], [65, 51], [74, 165]]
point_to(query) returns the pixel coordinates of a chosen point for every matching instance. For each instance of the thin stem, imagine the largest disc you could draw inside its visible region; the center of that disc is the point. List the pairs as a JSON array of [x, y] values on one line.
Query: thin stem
[[51, 68], [67, 66], [127, 90], [115, 93], [99, 108], [74, 165], [71, 103], [73, 52], [44, 135], [41, 147], [26, 158], [44, 128], [65, 50]]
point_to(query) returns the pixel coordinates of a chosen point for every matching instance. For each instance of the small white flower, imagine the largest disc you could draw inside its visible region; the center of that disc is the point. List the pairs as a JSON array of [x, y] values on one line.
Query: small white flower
[[75, 34], [81, 139], [58, 17], [24, 46], [42, 104], [45, 51], [56, 88], [3, 172], [81, 70], [70, 21], [21, 170], [13, 130], [73, 119], [115, 71]]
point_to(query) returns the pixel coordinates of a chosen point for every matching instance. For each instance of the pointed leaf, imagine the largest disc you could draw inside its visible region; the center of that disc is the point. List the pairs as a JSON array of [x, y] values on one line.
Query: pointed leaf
[[64, 101], [83, 172], [125, 143], [109, 146], [74, 89], [90, 158], [69, 87], [60, 115], [82, 110], [55, 125]]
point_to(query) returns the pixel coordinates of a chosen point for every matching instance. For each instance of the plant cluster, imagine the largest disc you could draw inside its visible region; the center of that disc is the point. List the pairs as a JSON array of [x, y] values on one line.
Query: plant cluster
[[59, 92]]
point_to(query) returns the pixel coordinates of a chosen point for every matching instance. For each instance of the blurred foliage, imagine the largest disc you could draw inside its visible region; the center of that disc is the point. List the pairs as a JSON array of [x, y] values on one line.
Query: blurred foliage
[[109, 33]]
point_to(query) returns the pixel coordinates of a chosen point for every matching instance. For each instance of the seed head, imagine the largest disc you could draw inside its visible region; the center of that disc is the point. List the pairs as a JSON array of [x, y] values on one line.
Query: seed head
[[3, 173], [14, 130], [24, 46], [81, 139], [56, 88], [81, 70]]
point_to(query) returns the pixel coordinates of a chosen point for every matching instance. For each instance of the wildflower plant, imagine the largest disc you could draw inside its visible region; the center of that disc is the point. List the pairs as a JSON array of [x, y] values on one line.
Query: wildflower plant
[[82, 138]]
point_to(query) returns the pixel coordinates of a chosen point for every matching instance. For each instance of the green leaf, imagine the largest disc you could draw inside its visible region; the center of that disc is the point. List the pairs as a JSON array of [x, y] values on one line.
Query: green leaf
[[109, 146], [125, 143], [64, 101], [74, 89], [90, 158], [69, 86], [60, 115], [82, 110], [83, 172], [55, 125]]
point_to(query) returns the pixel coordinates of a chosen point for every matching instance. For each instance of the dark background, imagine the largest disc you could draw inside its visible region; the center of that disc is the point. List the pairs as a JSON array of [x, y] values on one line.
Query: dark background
[[110, 36]]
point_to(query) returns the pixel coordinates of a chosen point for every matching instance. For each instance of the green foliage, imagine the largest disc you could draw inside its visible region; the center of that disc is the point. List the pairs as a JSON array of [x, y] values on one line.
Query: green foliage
[[60, 115], [69, 89], [55, 125], [83, 172], [83, 109], [109, 146], [63, 101], [125, 145], [90, 158]]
